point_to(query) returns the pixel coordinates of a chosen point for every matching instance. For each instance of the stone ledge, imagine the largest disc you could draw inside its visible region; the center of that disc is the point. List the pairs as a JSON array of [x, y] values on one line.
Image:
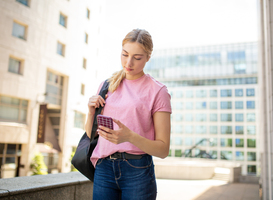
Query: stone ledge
[[47, 185]]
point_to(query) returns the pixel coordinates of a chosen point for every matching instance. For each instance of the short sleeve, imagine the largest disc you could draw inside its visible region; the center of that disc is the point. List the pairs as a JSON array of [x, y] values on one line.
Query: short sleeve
[[99, 88], [162, 101]]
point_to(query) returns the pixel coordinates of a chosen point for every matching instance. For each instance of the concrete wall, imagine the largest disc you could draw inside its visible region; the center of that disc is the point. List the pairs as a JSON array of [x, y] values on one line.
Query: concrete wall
[[67, 186]]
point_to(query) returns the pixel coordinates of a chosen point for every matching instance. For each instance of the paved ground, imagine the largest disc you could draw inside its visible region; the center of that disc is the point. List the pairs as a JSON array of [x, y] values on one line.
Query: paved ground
[[205, 190]]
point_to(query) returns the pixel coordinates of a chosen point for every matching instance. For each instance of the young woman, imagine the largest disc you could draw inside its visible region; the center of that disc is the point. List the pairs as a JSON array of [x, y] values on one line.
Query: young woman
[[140, 107]]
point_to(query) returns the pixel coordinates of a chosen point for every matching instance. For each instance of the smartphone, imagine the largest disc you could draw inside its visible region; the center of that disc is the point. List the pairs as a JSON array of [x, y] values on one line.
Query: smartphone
[[105, 121]]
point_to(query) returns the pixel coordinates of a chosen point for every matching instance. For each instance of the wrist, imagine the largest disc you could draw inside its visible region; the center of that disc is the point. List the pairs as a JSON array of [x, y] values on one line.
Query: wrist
[[132, 137]]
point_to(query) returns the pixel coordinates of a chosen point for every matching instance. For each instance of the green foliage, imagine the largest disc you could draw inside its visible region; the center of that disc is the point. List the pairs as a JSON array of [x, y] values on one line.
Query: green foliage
[[38, 165], [73, 169]]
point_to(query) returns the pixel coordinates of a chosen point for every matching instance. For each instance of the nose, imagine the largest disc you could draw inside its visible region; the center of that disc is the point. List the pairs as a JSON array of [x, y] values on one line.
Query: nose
[[130, 62]]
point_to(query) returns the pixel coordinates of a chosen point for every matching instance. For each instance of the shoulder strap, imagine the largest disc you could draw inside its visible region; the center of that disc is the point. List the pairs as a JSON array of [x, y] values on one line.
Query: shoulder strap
[[103, 92]]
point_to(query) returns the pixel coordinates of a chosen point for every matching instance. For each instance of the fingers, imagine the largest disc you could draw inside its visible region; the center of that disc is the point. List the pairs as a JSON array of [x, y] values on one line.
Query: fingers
[[120, 125], [96, 101], [108, 130]]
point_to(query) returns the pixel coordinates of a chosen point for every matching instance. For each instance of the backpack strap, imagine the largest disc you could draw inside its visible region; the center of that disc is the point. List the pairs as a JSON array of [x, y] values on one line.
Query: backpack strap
[[102, 93]]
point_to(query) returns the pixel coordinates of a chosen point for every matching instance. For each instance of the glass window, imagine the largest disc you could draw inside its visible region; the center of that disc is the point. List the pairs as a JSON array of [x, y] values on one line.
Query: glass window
[[239, 142], [19, 31], [178, 94], [200, 141], [213, 117], [250, 104], [178, 129], [226, 129], [178, 141], [86, 38], [226, 155], [213, 130], [226, 105], [63, 20], [239, 130], [213, 105], [189, 129], [178, 117], [188, 117], [188, 141], [251, 130], [11, 109], [251, 143], [79, 120], [84, 63], [251, 156], [178, 105], [201, 93], [251, 169], [11, 149], [88, 13], [239, 104], [213, 142], [15, 66], [239, 155], [201, 105], [250, 117], [239, 117], [226, 93], [250, 92], [189, 105], [201, 117], [226, 142], [82, 89], [189, 94], [213, 154], [213, 93], [2, 147], [60, 49], [201, 129], [226, 117], [239, 93], [178, 153], [25, 2]]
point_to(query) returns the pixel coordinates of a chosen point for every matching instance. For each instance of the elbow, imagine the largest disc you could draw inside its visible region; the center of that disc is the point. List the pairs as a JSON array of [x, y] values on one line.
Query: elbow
[[164, 154]]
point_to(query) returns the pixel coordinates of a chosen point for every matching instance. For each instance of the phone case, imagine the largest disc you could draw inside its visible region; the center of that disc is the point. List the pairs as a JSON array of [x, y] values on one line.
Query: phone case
[[105, 121]]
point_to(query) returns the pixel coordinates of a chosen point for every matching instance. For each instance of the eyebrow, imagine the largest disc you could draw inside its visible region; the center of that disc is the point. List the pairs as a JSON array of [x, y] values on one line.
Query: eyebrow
[[134, 54]]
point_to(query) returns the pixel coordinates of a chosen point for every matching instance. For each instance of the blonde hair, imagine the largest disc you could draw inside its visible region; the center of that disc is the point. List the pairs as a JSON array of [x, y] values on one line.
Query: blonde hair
[[143, 38]]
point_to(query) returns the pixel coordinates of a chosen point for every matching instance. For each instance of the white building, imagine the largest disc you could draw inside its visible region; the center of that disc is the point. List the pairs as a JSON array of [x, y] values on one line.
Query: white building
[[49, 52], [214, 100]]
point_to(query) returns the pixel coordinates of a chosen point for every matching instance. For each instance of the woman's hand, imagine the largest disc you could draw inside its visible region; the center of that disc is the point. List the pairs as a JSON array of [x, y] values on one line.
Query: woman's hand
[[123, 134], [95, 102]]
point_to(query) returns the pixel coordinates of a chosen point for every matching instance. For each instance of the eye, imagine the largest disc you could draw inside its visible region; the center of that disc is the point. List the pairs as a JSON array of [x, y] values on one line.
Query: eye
[[124, 55], [138, 58]]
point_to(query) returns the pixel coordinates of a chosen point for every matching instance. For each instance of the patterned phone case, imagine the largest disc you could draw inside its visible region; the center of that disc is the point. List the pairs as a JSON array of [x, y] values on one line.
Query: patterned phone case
[[105, 121]]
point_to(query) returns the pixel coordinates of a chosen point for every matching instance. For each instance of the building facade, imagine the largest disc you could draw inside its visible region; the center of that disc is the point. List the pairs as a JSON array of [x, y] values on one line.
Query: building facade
[[49, 52], [214, 100]]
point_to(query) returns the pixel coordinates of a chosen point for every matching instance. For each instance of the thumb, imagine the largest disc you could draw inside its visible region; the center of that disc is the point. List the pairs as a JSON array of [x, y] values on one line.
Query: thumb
[[118, 123]]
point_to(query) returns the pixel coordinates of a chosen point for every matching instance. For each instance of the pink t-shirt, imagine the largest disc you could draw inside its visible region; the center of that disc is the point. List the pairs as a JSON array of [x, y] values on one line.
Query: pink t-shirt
[[133, 104]]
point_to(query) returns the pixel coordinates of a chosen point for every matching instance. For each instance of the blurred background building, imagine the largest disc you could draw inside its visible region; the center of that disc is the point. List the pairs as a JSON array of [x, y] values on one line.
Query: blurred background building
[[48, 60], [214, 100]]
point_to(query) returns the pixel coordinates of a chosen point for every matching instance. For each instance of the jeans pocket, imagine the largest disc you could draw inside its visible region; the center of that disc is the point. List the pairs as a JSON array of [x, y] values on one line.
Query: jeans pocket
[[99, 161], [144, 162]]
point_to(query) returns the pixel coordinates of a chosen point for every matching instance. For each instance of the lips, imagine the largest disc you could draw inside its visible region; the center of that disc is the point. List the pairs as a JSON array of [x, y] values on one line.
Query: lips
[[128, 69]]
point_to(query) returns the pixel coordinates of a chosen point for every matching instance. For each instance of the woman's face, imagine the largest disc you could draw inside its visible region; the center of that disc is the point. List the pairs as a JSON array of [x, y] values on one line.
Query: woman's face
[[133, 60]]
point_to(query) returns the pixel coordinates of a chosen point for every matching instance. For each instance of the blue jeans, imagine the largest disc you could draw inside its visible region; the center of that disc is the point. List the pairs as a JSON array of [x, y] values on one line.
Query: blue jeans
[[130, 179]]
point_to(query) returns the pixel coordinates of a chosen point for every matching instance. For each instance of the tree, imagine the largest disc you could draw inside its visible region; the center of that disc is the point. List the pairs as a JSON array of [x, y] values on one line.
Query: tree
[[38, 165], [73, 169]]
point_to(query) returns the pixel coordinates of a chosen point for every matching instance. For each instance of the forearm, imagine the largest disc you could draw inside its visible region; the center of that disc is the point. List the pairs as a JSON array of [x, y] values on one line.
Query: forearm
[[89, 124], [156, 148]]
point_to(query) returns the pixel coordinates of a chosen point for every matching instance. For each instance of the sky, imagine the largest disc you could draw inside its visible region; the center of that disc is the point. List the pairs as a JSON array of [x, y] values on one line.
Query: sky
[[178, 23]]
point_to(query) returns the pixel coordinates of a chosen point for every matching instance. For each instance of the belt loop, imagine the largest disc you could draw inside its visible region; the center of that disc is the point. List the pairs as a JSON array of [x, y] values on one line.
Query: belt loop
[[123, 155]]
